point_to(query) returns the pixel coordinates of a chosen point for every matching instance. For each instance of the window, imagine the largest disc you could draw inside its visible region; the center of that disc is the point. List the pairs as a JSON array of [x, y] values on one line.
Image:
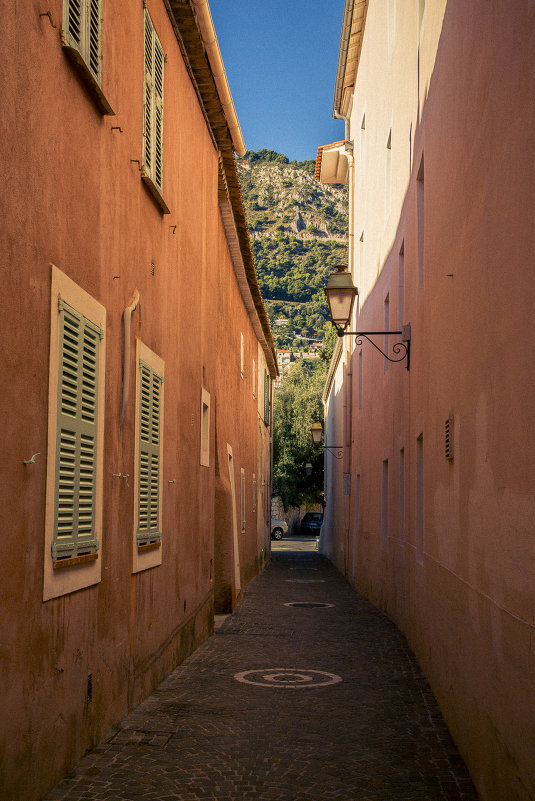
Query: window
[[362, 149], [266, 397], [387, 328], [242, 357], [420, 499], [75, 437], [148, 459], [402, 496], [81, 36], [242, 499], [153, 81], [205, 428], [360, 379], [388, 175], [254, 379], [401, 285], [420, 208], [384, 505], [361, 260], [254, 493]]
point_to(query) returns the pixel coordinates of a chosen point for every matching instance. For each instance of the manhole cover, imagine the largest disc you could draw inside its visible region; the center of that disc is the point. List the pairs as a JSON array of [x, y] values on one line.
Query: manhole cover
[[305, 568], [285, 677], [309, 605]]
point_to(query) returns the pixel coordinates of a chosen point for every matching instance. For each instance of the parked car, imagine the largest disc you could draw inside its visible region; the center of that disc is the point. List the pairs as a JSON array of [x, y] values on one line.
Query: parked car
[[311, 523], [278, 529]]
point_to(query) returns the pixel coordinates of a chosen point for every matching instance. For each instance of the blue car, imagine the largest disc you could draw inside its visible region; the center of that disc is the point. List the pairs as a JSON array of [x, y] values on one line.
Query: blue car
[[311, 523]]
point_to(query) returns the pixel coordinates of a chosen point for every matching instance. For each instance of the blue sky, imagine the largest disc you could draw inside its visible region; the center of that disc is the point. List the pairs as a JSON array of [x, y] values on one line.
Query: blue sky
[[281, 58]]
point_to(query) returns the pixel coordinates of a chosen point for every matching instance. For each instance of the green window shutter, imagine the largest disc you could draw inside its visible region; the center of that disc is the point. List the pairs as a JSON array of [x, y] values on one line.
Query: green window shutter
[[147, 94], [94, 38], [158, 112], [154, 59], [83, 28], [76, 443], [148, 530], [266, 397], [75, 24]]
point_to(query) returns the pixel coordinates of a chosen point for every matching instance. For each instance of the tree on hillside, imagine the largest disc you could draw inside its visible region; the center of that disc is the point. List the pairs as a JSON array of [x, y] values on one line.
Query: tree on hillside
[[297, 404]]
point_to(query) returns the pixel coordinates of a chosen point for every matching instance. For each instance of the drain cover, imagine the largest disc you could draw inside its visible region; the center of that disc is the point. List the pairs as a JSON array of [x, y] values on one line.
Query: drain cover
[[309, 605], [284, 677]]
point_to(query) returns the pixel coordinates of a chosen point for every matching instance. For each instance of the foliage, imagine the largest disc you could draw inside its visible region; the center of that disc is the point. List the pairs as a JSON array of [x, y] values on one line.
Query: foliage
[[297, 404], [298, 229]]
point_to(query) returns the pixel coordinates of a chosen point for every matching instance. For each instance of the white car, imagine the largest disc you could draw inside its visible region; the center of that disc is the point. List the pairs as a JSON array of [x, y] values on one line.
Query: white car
[[278, 529]]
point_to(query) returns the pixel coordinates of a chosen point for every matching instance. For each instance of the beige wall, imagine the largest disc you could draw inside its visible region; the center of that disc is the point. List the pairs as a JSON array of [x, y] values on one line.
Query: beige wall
[[447, 547]]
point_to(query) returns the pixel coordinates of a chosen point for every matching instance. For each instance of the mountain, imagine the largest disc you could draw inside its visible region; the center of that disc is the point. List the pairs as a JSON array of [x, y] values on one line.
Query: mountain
[[298, 231]]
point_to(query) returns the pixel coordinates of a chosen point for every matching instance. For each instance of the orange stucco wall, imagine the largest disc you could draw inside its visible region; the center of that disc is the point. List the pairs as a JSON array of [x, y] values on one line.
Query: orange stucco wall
[[74, 198], [465, 597]]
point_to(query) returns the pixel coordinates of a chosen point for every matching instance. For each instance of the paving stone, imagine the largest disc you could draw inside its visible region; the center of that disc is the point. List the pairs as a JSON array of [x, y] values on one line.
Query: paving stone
[[285, 703]]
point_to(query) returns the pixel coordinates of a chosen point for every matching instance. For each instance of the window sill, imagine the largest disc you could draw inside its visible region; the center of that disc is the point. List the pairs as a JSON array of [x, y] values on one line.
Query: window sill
[[154, 191], [58, 564], [150, 546], [93, 88]]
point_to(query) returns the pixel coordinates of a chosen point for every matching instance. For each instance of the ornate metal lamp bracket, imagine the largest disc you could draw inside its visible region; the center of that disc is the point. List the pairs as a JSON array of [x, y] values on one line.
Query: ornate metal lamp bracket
[[401, 349], [336, 450]]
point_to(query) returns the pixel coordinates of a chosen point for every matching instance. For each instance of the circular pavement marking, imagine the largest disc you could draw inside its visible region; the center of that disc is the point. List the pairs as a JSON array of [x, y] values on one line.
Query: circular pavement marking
[[286, 677], [305, 581], [309, 605]]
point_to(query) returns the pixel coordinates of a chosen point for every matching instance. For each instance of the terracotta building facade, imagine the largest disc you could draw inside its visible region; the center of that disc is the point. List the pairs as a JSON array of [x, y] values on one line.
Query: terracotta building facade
[[138, 364], [430, 513]]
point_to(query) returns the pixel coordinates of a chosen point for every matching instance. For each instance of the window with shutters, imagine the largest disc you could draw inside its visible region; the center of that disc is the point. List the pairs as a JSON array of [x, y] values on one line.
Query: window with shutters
[[153, 83], [75, 432], [148, 467], [266, 397], [76, 437], [81, 37]]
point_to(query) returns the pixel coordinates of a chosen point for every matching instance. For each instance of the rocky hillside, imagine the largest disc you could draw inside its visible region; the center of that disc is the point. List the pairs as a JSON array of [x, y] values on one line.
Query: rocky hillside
[[298, 232]]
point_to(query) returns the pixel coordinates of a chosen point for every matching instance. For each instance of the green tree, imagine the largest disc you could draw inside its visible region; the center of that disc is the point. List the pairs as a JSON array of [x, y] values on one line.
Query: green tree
[[297, 404]]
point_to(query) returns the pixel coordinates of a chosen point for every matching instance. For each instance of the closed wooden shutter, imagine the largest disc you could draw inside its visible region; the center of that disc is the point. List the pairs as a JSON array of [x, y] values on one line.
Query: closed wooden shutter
[[154, 59], [94, 36], [266, 397], [83, 31], [76, 444], [150, 384]]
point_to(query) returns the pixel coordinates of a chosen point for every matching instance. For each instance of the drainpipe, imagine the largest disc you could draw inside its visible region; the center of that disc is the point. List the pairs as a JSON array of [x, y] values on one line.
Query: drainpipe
[[209, 37], [127, 318]]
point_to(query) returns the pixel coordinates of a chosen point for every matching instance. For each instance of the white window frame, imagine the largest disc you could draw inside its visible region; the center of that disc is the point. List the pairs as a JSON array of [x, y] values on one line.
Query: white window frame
[[150, 554], [62, 576]]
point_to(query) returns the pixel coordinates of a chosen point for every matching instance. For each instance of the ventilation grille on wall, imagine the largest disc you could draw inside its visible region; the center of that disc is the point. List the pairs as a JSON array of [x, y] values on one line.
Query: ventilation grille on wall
[[449, 439]]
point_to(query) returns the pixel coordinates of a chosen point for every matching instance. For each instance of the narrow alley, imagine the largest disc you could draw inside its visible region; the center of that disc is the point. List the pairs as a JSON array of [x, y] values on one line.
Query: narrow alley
[[306, 693]]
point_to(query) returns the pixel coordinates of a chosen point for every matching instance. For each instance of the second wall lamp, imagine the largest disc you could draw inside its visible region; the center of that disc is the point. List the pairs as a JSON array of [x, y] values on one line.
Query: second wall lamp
[[316, 431]]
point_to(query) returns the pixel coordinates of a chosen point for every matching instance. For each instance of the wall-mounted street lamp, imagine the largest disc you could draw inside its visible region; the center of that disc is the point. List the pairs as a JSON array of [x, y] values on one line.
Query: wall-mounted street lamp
[[316, 431], [341, 293], [308, 469]]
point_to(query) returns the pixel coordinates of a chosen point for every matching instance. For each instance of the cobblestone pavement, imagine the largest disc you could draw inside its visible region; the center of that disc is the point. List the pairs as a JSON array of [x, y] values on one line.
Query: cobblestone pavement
[[306, 693]]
